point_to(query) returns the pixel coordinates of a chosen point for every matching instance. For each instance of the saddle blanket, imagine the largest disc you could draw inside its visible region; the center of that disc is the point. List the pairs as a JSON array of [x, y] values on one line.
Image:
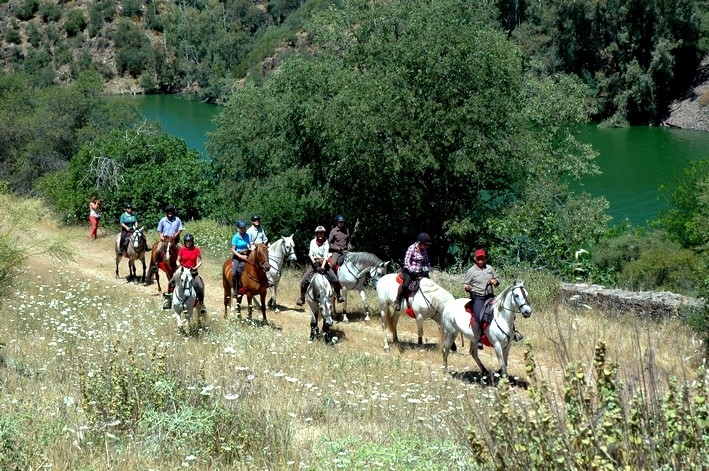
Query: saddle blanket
[[486, 319]]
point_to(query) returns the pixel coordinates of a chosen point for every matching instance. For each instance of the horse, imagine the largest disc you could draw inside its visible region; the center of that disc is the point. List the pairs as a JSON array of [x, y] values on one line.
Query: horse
[[253, 281], [499, 332], [321, 300], [427, 303], [281, 250], [184, 297], [167, 262], [137, 245], [353, 273]]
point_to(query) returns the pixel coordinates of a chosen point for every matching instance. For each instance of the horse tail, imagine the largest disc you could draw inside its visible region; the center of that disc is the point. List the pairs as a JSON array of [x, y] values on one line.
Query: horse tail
[[390, 322]]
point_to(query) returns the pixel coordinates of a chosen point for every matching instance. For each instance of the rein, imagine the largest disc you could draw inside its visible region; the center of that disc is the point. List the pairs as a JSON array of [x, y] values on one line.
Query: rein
[[519, 308], [279, 266]]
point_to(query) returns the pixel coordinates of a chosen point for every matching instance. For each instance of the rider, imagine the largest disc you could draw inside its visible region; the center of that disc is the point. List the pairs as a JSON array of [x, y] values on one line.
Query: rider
[[190, 256], [128, 222], [339, 239], [241, 246], [256, 233], [479, 281], [318, 254], [416, 265], [169, 227]]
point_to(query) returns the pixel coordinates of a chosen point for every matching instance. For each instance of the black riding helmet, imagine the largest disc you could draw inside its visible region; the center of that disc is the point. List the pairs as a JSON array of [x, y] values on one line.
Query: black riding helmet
[[189, 238], [169, 208], [424, 238], [256, 217]]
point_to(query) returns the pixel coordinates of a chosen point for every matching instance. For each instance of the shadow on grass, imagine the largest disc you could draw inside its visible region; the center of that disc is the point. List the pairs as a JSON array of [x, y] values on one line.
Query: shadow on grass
[[489, 379]]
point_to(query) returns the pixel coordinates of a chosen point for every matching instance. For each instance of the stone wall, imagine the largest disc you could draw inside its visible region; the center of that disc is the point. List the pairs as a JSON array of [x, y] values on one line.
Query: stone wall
[[660, 304]]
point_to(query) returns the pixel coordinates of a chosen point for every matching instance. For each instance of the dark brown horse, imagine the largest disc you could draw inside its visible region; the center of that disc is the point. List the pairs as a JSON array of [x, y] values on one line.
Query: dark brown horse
[[137, 246], [253, 281], [165, 261]]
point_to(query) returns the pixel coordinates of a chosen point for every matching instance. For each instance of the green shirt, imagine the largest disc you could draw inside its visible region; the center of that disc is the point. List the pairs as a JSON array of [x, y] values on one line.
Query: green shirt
[[129, 220]]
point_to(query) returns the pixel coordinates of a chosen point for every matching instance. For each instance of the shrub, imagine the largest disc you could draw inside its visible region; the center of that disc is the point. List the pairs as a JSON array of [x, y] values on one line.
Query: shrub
[[49, 12], [25, 11], [75, 23]]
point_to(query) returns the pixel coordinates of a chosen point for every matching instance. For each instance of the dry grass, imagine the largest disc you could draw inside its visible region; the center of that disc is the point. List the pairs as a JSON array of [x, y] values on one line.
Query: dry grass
[[290, 403]]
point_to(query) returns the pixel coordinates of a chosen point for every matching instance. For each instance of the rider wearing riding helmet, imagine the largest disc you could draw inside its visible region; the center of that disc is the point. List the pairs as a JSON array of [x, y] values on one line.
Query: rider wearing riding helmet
[[339, 239], [241, 246], [479, 281], [169, 227], [416, 266], [128, 222], [256, 232], [318, 254], [190, 256]]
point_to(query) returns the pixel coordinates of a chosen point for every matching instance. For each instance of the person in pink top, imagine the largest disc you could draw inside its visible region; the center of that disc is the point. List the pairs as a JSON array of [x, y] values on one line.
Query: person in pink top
[[94, 216]]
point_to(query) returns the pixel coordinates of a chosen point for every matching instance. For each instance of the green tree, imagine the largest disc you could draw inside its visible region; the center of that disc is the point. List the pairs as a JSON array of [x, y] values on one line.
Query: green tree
[[417, 115], [143, 166], [75, 22]]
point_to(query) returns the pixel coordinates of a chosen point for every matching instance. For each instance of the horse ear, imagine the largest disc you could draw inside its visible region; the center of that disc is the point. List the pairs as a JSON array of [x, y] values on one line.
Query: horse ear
[[386, 264]]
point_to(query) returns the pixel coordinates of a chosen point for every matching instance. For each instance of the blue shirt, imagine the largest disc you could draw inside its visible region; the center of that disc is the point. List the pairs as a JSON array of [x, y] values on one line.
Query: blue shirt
[[169, 228], [239, 242]]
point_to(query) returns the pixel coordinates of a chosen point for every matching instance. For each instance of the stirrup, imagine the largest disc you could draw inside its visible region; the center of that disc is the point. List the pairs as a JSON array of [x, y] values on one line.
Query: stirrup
[[397, 306], [300, 301], [340, 298], [518, 337]]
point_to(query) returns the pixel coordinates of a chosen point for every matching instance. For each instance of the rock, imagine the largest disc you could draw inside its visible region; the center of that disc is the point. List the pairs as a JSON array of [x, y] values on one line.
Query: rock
[[691, 111]]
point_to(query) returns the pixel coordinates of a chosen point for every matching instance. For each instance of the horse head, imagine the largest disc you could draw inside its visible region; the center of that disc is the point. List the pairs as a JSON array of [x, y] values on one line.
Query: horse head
[[137, 239], [378, 271], [186, 282], [289, 248], [521, 299], [259, 257]]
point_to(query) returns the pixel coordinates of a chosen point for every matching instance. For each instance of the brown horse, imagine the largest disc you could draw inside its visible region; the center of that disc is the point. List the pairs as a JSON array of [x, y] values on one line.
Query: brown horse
[[253, 281], [165, 261], [137, 246]]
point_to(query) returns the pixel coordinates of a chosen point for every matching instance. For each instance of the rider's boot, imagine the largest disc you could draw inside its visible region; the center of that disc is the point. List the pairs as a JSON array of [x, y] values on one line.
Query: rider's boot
[[338, 292], [301, 299], [397, 303], [518, 336]]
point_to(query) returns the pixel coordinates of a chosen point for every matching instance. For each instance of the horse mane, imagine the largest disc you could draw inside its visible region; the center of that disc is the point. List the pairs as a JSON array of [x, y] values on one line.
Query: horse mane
[[365, 258], [277, 244], [434, 290]]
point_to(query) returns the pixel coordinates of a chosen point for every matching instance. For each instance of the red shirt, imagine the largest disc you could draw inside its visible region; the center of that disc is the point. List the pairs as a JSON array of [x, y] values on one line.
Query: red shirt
[[188, 256]]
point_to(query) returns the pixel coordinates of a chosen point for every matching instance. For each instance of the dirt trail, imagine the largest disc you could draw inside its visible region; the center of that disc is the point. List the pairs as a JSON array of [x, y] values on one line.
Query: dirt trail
[[94, 259]]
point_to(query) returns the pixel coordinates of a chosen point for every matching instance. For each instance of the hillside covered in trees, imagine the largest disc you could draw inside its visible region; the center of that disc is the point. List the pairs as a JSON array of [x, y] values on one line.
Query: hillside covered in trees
[[635, 56]]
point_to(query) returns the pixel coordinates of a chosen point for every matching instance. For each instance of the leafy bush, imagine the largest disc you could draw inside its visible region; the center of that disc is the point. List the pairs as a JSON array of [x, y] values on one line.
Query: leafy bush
[[15, 445], [75, 22], [49, 12], [25, 10], [12, 34]]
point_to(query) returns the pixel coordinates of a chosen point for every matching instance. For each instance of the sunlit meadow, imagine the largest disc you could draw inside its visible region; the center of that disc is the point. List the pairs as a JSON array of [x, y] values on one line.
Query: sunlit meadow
[[96, 376]]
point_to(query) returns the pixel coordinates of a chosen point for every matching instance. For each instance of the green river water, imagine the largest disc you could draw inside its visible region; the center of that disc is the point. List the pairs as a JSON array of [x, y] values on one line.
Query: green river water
[[635, 161]]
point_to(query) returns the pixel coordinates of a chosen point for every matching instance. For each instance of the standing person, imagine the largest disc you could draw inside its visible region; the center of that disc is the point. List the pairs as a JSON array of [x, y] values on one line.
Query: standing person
[[416, 265], [240, 248], [128, 222], [318, 255], [339, 239], [94, 216], [190, 256], [256, 233], [169, 227]]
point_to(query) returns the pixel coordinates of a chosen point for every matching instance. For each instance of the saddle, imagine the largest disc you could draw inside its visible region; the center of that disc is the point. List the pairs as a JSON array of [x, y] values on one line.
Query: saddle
[[413, 289], [485, 318]]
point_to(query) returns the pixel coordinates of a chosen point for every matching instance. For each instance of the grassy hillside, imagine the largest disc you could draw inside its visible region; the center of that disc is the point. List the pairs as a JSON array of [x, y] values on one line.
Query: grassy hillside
[[96, 376]]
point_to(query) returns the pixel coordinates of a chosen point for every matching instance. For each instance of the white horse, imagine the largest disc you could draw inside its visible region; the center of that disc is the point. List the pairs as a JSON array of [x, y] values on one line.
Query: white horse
[[427, 303], [500, 332], [137, 245], [280, 251], [321, 300], [183, 299], [353, 274]]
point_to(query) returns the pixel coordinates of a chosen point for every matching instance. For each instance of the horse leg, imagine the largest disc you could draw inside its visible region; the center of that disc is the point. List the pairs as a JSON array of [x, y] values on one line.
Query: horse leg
[[364, 303], [474, 353], [142, 260], [263, 308], [384, 311], [502, 357], [250, 300], [419, 327], [448, 338], [118, 260]]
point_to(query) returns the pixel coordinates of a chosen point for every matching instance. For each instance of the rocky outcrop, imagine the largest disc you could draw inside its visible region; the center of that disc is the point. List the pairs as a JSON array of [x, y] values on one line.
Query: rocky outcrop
[[692, 110], [660, 304]]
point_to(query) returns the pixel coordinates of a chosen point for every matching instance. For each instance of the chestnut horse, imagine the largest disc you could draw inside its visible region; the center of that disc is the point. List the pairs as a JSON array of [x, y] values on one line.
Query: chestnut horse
[[253, 281], [167, 262]]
